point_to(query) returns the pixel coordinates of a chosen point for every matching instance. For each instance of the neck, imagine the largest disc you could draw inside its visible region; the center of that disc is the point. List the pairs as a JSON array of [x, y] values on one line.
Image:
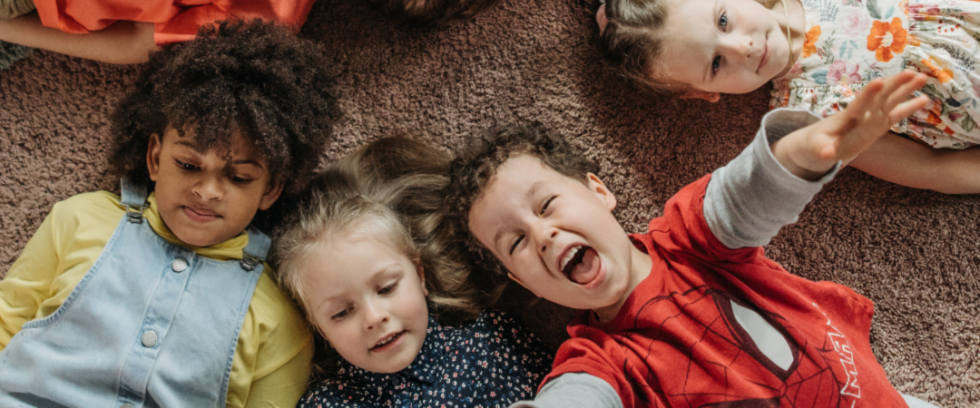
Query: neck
[[640, 266]]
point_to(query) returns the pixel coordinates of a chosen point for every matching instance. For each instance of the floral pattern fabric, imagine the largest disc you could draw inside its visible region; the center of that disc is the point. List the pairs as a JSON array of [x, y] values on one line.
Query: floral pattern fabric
[[492, 362], [851, 42]]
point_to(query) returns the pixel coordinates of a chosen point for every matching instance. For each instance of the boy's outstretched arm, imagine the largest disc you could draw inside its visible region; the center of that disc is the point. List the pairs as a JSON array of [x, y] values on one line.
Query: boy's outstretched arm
[[793, 156], [124, 42]]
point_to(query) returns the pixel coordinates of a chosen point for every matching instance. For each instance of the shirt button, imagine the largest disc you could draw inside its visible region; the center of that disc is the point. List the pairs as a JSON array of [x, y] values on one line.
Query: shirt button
[[149, 339], [178, 265], [126, 405]]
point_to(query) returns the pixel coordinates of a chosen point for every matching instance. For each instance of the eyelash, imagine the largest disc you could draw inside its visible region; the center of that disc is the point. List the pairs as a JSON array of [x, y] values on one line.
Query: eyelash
[[543, 209], [383, 291], [716, 62], [190, 167]]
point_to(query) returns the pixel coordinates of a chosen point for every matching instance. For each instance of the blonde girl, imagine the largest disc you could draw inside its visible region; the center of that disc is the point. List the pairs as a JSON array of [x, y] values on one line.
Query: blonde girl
[[368, 262], [818, 55]]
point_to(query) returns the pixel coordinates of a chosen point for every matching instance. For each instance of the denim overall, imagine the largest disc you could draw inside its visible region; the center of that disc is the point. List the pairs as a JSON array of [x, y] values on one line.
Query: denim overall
[[152, 324]]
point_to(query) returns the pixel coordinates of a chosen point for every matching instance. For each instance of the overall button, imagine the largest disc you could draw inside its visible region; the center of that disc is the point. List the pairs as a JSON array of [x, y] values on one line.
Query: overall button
[[149, 338], [178, 265], [126, 405]]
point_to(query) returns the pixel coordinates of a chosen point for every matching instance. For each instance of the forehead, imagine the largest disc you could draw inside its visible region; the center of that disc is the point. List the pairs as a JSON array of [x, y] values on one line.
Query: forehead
[[233, 147], [688, 35]]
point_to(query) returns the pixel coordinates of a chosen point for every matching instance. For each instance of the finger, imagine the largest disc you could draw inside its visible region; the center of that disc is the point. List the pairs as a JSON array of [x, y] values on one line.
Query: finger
[[904, 109], [865, 100], [892, 87], [903, 93]]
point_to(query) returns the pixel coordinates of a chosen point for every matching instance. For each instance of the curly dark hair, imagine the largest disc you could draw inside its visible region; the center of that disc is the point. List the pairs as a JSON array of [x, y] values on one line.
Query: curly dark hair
[[433, 12], [473, 168], [243, 78]]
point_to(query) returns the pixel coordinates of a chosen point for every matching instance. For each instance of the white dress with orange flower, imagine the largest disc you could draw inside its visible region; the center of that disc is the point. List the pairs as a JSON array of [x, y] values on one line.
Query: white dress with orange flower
[[851, 42]]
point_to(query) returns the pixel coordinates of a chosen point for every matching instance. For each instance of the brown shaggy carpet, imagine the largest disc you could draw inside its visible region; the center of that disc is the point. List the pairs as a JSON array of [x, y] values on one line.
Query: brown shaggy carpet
[[916, 254]]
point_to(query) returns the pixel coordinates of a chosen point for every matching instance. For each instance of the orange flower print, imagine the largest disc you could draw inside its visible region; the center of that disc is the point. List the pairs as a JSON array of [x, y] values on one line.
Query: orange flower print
[[904, 6], [887, 39], [914, 41], [810, 45], [938, 69]]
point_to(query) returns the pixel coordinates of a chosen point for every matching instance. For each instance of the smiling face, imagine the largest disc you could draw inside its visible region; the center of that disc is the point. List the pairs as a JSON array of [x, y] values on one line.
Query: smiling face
[[557, 236], [367, 299], [208, 197], [723, 46]]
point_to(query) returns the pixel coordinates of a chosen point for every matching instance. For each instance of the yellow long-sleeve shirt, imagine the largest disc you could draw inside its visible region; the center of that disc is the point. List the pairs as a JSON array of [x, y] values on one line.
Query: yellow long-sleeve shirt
[[272, 358]]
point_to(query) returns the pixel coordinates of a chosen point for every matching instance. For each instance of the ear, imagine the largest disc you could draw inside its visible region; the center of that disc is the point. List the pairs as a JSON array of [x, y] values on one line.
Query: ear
[[153, 156], [697, 94], [272, 192], [600, 190]]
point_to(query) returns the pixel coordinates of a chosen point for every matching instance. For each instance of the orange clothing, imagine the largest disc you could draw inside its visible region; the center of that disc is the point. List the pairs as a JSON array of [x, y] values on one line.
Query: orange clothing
[[175, 20]]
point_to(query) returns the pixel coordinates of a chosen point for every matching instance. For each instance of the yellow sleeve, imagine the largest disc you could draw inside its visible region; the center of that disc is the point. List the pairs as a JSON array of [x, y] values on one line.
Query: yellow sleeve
[[275, 347], [28, 280], [56, 258]]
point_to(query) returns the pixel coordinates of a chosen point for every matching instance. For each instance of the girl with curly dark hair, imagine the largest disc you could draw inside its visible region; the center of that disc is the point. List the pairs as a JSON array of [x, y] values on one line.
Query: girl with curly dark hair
[[164, 299]]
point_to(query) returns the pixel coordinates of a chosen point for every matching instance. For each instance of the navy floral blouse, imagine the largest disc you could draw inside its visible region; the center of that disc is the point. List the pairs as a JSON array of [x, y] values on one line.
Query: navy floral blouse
[[491, 362]]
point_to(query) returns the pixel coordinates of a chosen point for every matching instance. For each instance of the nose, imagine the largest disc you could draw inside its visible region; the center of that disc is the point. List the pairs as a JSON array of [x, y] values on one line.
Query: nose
[[544, 236], [375, 315], [209, 188], [737, 47]]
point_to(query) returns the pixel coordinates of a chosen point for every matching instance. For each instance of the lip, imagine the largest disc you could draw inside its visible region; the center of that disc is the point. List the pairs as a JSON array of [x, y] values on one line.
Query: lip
[[200, 214], [394, 343], [765, 56]]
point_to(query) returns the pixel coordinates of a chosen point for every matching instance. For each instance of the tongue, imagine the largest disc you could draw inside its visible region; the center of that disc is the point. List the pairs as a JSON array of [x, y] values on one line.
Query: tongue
[[586, 270]]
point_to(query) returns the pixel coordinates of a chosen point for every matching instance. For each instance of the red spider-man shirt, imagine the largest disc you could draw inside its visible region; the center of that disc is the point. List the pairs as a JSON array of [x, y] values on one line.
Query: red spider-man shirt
[[687, 336]]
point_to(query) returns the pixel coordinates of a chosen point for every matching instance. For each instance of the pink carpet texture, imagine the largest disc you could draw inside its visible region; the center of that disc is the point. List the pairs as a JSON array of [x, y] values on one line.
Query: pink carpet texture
[[916, 254]]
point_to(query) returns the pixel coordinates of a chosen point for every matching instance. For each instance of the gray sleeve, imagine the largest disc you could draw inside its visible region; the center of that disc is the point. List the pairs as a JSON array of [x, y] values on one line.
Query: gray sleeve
[[753, 196], [574, 390]]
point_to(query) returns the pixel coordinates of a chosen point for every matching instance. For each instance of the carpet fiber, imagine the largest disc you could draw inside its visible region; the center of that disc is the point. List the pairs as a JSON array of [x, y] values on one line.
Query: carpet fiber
[[914, 253]]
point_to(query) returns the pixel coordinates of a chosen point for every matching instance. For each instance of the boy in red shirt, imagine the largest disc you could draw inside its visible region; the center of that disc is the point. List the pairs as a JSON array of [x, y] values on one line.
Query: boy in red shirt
[[691, 313]]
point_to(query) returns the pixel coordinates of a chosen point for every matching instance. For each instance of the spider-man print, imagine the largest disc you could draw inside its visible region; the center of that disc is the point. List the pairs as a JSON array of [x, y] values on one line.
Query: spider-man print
[[712, 326]]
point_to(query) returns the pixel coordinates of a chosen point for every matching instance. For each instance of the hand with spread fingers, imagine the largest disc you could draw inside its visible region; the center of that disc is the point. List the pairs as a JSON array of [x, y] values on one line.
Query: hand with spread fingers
[[812, 151]]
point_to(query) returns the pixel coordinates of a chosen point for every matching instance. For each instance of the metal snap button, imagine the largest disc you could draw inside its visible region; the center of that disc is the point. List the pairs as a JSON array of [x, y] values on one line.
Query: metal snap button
[[178, 265], [149, 339]]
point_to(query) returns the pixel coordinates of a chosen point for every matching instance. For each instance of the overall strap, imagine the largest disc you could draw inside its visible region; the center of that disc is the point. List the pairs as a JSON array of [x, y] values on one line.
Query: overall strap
[[256, 250], [134, 199]]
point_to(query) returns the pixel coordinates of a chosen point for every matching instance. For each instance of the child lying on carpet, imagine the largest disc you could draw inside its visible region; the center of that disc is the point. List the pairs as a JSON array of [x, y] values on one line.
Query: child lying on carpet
[[368, 261], [125, 32], [821, 58], [691, 313], [163, 299]]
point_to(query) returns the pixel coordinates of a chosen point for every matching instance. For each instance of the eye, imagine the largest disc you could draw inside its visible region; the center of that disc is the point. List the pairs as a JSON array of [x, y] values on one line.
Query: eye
[[340, 315], [388, 289], [518, 241], [240, 180], [546, 204], [723, 21], [185, 166], [715, 64]]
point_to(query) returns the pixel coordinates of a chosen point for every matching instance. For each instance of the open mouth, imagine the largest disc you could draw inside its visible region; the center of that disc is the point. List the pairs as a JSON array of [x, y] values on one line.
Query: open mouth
[[580, 264], [387, 340]]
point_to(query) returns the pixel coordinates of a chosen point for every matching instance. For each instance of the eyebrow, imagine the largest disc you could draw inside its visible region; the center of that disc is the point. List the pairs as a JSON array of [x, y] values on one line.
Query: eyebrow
[[527, 197], [385, 270], [193, 146]]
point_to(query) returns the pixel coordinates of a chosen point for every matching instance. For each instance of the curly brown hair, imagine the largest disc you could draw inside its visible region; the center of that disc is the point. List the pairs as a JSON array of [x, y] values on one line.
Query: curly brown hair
[[474, 168], [634, 41], [433, 12], [248, 78]]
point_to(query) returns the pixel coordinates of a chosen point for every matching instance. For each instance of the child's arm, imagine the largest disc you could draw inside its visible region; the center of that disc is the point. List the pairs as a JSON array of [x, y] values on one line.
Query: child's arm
[[909, 163], [767, 186], [124, 42]]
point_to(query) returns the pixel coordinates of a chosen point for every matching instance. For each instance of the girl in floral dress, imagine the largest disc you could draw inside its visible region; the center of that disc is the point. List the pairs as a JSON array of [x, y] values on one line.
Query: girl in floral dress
[[819, 54], [369, 262]]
